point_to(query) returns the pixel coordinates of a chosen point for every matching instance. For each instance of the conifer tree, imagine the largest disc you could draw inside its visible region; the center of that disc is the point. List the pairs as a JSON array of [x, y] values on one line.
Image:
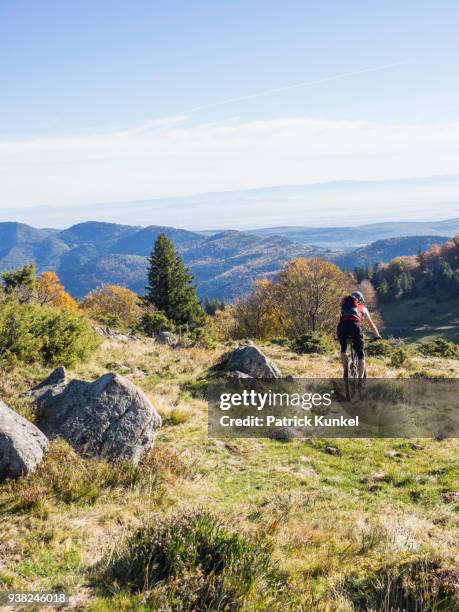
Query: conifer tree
[[170, 286]]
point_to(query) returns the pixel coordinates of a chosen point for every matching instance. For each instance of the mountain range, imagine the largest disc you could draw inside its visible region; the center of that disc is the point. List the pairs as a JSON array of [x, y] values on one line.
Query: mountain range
[[224, 263]]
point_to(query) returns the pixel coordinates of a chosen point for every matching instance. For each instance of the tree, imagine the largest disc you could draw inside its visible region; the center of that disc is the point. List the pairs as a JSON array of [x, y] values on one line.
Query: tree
[[51, 293], [114, 305], [170, 287], [212, 306], [309, 294], [359, 274], [20, 283], [383, 290], [258, 315]]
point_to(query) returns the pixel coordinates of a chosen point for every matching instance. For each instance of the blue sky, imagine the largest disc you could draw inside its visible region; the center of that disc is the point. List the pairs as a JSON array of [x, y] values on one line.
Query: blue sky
[[98, 98]]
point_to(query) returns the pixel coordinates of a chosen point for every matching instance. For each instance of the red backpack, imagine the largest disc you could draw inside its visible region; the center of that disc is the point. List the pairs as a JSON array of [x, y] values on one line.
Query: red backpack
[[350, 309]]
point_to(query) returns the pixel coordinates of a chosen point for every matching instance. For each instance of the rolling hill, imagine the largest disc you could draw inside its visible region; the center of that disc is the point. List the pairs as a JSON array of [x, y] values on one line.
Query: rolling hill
[[385, 250], [360, 235], [89, 254], [224, 264]]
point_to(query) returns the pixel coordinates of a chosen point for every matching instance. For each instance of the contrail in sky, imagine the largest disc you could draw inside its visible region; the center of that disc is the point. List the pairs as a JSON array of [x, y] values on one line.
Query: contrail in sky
[[267, 92], [167, 121]]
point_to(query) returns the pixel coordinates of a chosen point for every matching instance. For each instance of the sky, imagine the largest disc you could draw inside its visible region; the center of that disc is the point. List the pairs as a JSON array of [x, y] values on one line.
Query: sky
[[115, 101]]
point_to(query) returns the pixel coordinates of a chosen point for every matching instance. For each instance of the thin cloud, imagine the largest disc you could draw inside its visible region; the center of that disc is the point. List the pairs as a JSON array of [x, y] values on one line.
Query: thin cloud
[[269, 92], [163, 122]]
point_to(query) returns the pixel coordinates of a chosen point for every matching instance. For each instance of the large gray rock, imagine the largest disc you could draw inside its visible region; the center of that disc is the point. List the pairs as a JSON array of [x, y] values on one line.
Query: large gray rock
[[22, 445], [109, 418], [252, 361]]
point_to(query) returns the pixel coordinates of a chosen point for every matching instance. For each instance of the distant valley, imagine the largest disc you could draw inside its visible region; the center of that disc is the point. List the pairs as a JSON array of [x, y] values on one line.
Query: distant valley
[[224, 264]]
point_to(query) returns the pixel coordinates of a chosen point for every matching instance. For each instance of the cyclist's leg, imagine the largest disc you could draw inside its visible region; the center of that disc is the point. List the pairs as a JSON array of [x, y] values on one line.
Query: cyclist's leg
[[342, 337], [359, 347]]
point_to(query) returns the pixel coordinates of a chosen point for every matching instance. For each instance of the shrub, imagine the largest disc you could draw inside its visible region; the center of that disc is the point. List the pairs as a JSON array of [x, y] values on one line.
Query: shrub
[[439, 347], [154, 322], [31, 333], [382, 348], [114, 305], [314, 342], [192, 559], [400, 357]]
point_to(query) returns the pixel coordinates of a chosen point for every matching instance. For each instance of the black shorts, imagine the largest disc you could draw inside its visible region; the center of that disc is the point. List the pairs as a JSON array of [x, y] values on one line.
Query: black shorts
[[351, 329]]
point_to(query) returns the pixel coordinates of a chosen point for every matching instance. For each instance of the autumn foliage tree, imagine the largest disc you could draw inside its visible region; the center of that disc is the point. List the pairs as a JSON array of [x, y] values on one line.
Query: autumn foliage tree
[[257, 315], [51, 293], [114, 305], [305, 298]]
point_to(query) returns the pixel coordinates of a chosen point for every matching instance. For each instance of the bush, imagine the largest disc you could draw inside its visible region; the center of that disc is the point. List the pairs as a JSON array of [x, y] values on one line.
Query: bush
[[400, 357], [439, 347], [154, 322], [114, 305], [192, 560], [314, 342], [382, 348], [31, 333]]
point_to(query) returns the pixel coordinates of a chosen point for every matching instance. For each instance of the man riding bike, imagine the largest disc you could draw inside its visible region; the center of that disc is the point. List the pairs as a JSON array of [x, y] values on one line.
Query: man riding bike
[[353, 314]]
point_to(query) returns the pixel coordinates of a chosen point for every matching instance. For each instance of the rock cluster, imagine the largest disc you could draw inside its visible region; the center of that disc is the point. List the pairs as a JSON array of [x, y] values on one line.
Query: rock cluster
[[109, 418]]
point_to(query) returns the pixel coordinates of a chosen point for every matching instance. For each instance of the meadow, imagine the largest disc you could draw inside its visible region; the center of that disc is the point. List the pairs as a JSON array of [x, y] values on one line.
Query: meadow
[[372, 525]]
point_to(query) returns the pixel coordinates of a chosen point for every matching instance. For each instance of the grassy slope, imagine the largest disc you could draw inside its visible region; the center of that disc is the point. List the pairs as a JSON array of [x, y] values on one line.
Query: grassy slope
[[419, 318], [329, 516]]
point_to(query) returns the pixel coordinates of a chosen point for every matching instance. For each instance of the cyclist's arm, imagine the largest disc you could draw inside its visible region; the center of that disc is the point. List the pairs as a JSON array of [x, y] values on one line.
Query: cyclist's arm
[[371, 323]]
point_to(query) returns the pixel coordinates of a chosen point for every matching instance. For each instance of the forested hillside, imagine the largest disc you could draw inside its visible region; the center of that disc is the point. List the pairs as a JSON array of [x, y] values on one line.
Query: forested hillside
[[419, 294], [224, 264]]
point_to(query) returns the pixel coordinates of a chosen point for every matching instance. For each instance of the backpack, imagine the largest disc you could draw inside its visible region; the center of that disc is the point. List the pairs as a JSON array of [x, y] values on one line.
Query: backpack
[[350, 308]]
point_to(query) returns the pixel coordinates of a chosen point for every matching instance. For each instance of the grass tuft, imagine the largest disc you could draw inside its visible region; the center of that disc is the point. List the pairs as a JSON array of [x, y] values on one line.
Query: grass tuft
[[192, 562]]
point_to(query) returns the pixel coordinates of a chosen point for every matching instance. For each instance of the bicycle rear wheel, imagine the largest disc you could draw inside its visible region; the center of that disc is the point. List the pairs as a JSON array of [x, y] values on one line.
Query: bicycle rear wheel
[[351, 380]]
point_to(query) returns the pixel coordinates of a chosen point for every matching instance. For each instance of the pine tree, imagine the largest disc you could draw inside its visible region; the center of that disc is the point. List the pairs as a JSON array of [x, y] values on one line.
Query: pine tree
[[170, 286]]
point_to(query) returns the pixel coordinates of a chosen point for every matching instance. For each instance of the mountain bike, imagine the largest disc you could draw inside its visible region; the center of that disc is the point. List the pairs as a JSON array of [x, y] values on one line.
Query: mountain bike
[[352, 383]]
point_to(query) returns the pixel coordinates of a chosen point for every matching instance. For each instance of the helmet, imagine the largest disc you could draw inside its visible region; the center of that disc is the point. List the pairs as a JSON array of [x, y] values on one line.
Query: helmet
[[358, 295]]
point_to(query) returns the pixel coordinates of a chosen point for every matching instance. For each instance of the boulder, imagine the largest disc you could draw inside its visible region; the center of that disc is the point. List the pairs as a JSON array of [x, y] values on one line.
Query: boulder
[[166, 337], [109, 418], [22, 445], [251, 360]]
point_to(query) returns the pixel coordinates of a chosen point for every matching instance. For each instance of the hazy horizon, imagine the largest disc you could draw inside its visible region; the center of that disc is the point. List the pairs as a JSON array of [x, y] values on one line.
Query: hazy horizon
[[329, 204]]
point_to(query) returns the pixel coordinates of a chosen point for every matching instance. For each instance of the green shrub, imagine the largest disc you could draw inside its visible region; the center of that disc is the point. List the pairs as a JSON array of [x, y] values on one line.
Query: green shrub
[[314, 342], [191, 561], [439, 347], [32, 333], [382, 348], [154, 322], [400, 357]]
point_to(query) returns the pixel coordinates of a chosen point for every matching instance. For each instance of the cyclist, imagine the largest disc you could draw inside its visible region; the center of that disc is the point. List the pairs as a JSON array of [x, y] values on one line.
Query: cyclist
[[353, 314]]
